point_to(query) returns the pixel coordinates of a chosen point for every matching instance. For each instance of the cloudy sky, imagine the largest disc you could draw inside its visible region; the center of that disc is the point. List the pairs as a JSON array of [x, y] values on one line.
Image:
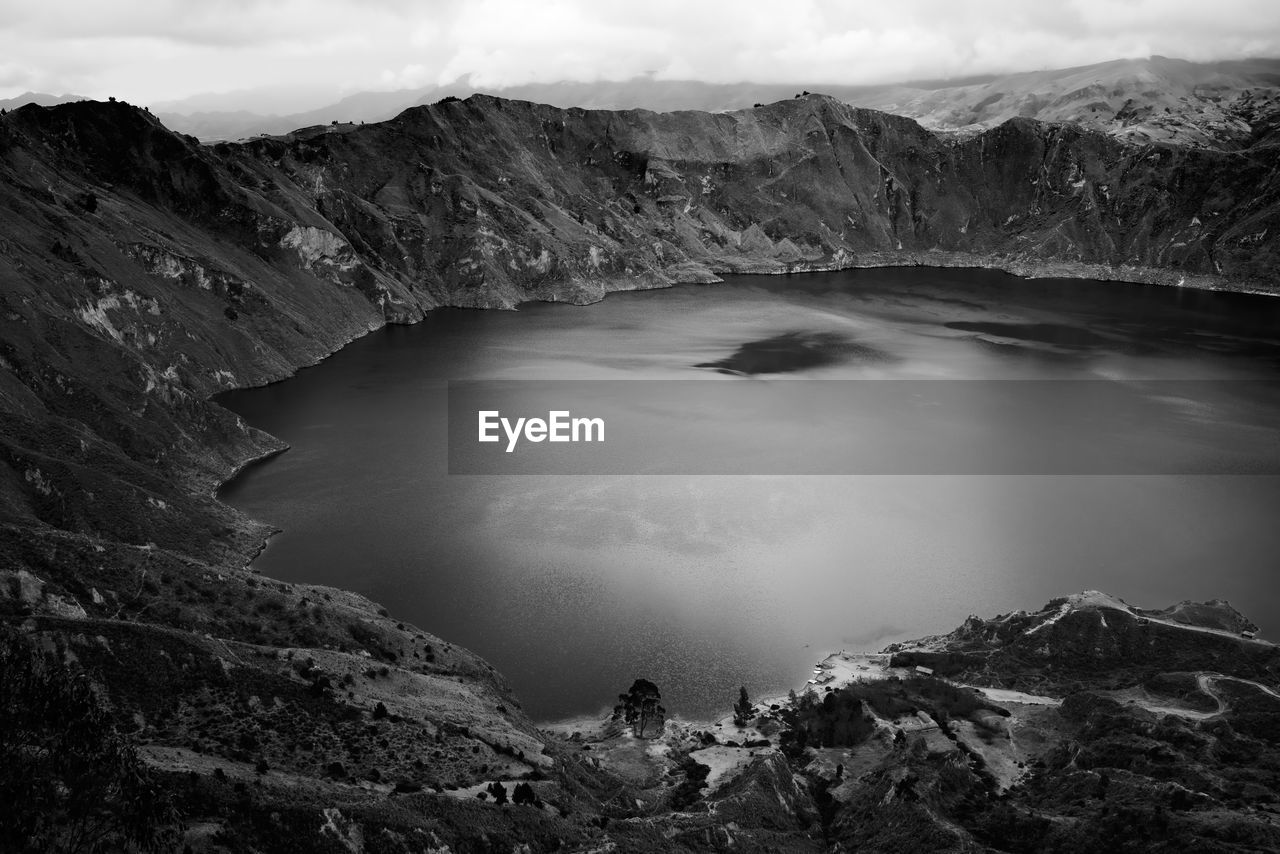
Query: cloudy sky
[[150, 51]]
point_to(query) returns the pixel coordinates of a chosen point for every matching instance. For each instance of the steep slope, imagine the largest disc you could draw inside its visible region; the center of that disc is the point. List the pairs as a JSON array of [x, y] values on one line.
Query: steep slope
[[804, 183]]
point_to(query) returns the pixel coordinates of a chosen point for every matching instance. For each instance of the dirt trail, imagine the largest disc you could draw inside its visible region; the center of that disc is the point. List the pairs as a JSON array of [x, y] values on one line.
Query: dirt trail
[[1205, 681]]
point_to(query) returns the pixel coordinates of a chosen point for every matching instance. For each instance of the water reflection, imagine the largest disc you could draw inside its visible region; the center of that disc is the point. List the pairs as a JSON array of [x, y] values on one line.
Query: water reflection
[[574, 586]]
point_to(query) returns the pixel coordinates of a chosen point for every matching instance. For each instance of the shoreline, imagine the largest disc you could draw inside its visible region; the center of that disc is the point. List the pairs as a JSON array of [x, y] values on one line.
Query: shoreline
[[936, 259], [931, 258], [843, 666], [837, 670], [249, 463], [712, 273]]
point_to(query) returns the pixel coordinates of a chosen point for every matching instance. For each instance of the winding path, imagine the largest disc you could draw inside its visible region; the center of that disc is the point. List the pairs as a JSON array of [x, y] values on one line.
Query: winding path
[[1205, 680]]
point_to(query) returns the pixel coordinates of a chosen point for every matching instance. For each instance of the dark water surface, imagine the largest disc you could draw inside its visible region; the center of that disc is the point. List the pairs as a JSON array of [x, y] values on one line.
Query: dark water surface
[[572, 586]]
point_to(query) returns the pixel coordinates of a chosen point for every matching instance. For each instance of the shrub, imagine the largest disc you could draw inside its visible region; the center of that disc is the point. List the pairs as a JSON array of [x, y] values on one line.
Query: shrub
[[695, 780], [68, 780], [524, 794]]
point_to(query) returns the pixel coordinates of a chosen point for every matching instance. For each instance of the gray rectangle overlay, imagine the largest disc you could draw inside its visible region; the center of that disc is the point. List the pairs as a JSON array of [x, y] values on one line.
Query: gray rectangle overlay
[[733, 425]]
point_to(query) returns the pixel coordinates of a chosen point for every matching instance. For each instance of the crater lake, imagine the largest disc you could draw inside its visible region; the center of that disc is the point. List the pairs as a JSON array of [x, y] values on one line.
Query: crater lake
[[574, 585]]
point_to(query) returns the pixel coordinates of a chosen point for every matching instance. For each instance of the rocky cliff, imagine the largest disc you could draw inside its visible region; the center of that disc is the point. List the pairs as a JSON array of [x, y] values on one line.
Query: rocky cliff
[[141, 272]]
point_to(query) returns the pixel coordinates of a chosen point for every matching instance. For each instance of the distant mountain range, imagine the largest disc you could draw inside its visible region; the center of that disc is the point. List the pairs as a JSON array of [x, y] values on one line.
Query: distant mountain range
[[1157, 98], [1143, 100], [41, 98], [1213, 105]]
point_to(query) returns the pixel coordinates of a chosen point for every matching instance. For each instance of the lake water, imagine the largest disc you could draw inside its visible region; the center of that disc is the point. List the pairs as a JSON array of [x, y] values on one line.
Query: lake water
[[573, 586]]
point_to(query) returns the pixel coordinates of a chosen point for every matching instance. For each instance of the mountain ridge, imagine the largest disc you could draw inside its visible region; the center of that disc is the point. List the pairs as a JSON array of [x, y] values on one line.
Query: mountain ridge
[[1155, 99], [1206, 102]]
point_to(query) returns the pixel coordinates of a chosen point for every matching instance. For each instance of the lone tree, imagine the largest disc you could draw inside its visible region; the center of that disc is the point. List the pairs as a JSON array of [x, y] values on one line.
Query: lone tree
[[742, 710], [641, 707]]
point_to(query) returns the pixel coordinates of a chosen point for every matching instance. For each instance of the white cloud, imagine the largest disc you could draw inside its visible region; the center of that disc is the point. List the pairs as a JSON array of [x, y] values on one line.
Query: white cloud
[[146, 50]]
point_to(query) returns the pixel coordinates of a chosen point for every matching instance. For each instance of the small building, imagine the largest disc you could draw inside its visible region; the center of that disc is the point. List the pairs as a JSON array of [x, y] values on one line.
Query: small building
[[924, 671], [1248, 634]]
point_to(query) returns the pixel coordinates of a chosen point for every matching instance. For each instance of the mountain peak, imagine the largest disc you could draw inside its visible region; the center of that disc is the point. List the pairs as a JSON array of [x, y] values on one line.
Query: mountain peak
[[98, 118]]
